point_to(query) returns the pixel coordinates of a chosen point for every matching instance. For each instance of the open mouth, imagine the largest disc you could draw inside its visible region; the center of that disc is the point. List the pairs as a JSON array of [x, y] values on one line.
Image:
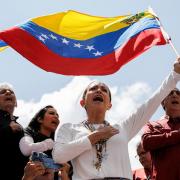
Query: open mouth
[[55, 122], [98, 99], [175, 102], [8, 99]]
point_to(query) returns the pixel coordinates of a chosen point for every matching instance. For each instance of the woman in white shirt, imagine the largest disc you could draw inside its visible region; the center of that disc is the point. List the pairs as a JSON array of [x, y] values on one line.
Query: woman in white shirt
[[39, 134], [97, 148]]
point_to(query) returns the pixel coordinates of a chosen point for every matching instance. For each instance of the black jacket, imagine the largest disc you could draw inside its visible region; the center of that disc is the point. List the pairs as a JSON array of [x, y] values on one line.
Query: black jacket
[[12, 161]]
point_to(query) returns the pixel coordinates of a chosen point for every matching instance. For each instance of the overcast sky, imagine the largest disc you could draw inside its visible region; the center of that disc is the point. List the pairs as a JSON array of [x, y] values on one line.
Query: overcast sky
[[130, 86]]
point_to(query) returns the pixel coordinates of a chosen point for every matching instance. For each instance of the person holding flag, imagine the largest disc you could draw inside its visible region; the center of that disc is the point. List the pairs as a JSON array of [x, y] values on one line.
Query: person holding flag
[[99, 149]]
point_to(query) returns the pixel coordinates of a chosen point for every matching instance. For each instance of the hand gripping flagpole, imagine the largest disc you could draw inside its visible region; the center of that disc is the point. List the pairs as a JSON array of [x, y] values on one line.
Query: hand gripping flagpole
[[166, 36]]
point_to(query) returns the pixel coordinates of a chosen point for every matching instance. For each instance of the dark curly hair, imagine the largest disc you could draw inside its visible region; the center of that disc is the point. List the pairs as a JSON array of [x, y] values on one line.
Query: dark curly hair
[[34, 124]]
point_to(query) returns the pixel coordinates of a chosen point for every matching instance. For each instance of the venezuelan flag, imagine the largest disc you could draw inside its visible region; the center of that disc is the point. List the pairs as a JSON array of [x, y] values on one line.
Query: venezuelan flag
[[72, 43], [3, 45]]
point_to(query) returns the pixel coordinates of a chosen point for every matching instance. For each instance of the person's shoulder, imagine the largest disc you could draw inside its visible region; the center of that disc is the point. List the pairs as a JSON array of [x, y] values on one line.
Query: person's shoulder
[[154, 125], [139, 173], [159, 122], [70, 127], [28, 131], [67, 129]]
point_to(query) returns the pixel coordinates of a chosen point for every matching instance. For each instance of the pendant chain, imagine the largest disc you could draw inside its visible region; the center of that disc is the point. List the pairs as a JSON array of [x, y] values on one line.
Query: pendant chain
[[100, 146]]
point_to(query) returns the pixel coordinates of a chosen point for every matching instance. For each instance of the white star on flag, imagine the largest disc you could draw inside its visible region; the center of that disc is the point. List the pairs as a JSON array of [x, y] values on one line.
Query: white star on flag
[[44, 36], [90, 48], [77, 45], [53, 37], [41, 39], [65, 41], [98, 53]]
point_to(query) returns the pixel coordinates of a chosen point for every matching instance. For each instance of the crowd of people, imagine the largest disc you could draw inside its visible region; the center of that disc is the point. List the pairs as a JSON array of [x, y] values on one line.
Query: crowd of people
[[93, 148]]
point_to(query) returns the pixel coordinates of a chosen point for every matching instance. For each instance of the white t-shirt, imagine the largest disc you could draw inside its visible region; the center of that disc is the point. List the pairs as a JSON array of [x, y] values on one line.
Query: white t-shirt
[[72, 142]]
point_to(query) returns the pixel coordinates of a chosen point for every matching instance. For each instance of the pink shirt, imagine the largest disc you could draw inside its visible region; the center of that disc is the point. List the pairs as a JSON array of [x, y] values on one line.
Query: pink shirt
[[142, 174]]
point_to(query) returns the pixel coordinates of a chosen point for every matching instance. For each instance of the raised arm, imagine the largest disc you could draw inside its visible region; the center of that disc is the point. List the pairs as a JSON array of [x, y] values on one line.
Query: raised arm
[[138, 119]]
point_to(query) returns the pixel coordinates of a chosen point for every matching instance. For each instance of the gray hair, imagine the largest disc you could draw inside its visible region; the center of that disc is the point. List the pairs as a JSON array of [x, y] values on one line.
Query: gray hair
[[6, 85]]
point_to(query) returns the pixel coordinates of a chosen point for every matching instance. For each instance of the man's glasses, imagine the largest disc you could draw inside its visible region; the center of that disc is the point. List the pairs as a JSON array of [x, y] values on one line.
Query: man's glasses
[[4, 91]]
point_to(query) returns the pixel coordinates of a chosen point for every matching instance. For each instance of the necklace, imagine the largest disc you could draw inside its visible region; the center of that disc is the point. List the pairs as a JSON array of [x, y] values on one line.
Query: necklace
[[100, 146]]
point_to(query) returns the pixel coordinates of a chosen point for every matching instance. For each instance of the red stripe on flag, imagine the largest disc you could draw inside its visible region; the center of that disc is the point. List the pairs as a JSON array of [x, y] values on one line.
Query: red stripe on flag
[[37, 53]]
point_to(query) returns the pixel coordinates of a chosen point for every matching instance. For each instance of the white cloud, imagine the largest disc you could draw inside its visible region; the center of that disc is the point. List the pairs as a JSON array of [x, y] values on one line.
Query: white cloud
[[66, 101], [127, 100]]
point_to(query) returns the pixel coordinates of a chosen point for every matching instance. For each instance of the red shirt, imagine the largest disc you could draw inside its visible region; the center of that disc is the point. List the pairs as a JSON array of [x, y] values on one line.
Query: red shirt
[[162, 139], [141, 174]]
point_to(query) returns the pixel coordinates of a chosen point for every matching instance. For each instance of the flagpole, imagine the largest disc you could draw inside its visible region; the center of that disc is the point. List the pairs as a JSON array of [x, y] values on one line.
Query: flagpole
[[174, 49], [166, 36]]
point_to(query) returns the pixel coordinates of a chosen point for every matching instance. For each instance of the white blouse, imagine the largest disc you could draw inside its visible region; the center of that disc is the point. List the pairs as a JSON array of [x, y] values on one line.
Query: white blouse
[[27, 145], [72, 142]]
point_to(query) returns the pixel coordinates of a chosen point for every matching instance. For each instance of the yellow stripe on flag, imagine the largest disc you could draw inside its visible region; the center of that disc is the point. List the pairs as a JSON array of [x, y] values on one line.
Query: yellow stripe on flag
[[80, 26], [3, 48]]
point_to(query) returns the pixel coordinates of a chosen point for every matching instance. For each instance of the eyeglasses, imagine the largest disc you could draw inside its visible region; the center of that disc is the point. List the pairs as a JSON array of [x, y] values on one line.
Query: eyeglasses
[[140, 154], [4, 91], [174, 91]]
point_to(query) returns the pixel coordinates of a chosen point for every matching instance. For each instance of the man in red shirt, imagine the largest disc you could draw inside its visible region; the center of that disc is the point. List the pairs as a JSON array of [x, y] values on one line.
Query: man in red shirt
[[162, 139], [144, 173]]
